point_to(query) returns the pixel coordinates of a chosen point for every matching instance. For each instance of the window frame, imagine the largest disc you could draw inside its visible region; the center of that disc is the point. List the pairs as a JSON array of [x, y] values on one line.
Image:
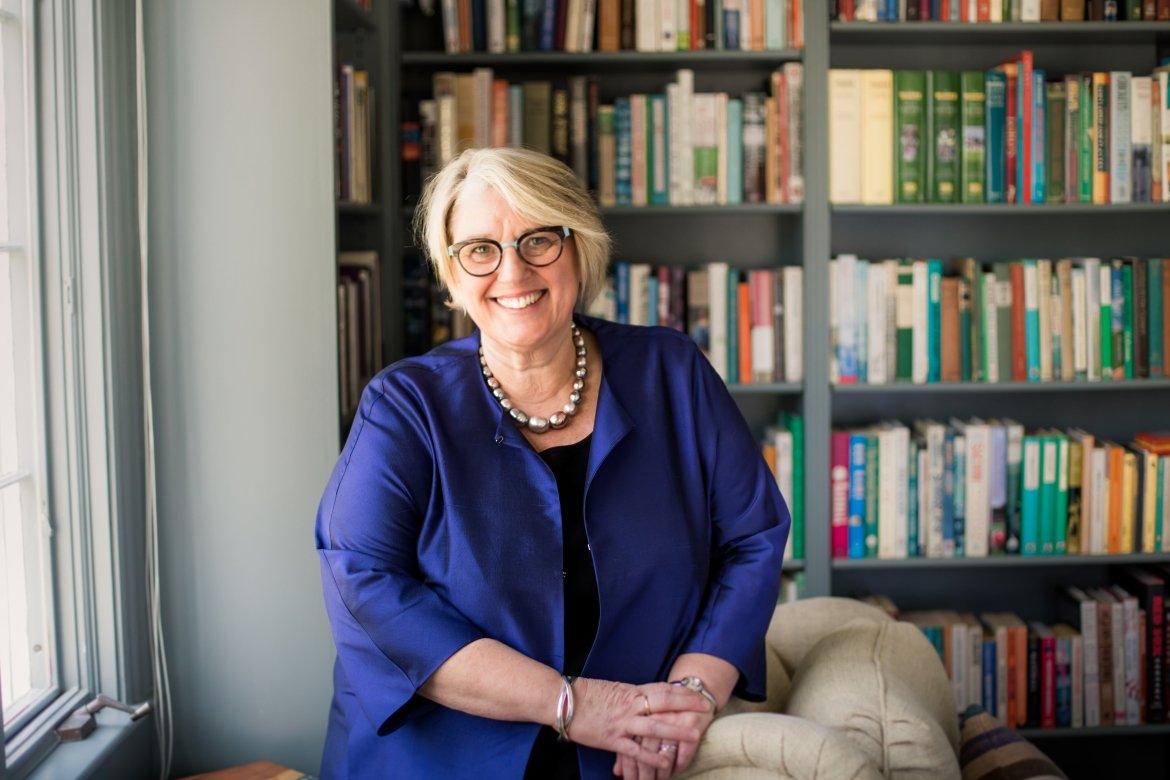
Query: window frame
[[84, 178]]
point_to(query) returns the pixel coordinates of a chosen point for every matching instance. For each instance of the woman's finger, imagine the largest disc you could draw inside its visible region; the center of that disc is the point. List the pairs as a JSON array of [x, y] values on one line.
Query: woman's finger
[[686, 754], [670, 750], [670, 698], [657, 729]]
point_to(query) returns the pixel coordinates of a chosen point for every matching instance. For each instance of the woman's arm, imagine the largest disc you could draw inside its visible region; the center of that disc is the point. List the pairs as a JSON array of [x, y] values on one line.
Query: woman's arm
[[489, 679]]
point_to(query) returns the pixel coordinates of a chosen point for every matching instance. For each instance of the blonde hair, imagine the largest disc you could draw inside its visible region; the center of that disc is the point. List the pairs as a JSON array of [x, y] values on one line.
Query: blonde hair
[[539, 188]]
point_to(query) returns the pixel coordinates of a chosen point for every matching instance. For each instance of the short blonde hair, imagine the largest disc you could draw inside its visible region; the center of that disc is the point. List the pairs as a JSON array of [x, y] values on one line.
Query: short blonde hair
[[539, 188]]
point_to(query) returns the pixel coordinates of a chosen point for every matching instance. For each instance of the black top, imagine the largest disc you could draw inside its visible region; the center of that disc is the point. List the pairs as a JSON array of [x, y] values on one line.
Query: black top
[[549, 758]]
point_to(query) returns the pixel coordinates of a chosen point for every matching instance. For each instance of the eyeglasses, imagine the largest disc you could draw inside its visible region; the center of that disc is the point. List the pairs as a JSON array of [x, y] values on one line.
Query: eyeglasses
[[538, 247]]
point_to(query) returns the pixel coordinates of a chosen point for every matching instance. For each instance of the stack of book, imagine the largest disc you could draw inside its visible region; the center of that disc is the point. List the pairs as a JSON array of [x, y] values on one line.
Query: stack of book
[[1104, 664], [1002, 10], [973, 488], [783, 448], [1029, 320], [359, 324], [353, 129], [613, 25], [677, 147], [750, 324], [1005, 135]]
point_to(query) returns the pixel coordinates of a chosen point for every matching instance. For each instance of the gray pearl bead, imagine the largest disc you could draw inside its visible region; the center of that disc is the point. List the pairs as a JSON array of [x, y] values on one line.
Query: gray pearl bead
[[582, 362], [492, 382], [570, 409], [575, 397], [558, 419], [498, 393], [581, 372], [578, 384], [519, 417], [537, 424], [506, 404]]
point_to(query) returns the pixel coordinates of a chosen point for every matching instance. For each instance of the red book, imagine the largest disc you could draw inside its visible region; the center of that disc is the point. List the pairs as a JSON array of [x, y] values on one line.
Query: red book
[[983, 10], [744, 320], [839, 493], [1047, 680], [1010, 134], [1157, 442], [780, 95], [1019, 340]]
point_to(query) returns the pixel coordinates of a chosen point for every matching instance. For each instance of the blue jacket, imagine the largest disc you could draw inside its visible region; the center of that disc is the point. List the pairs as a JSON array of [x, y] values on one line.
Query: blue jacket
[[441, 525]]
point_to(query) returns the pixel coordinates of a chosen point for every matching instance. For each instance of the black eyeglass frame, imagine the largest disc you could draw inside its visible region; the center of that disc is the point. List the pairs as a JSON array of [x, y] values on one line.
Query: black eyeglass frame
[[562, 231]]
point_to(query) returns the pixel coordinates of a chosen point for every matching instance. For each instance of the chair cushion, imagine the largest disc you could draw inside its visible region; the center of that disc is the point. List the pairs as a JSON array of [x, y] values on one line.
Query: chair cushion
[[882, 685], [992, 751], [768, 746], [798, 625]]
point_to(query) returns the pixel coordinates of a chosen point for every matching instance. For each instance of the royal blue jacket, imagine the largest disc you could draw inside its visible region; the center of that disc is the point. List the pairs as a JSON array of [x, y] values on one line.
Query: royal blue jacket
[[441, 525]]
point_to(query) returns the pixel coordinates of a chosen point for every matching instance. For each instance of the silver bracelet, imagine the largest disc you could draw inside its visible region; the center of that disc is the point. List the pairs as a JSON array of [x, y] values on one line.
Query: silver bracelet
[[565, 708]]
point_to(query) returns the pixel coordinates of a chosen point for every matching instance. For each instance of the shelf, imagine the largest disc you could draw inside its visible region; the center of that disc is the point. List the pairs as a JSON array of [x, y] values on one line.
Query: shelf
[[997, 561], [983, 33], [1005, 387], [606, 61], [704, 211], [1145, 730], [791, 566], [773, 388], [999, 209], [348, 16]]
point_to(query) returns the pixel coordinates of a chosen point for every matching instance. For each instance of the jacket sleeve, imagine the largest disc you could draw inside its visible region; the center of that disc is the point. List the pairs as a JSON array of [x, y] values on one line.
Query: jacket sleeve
[[749, 528], [391, 630]]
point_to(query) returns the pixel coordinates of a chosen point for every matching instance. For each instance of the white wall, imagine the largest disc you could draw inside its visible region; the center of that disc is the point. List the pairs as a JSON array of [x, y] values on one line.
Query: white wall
[[243, 329]]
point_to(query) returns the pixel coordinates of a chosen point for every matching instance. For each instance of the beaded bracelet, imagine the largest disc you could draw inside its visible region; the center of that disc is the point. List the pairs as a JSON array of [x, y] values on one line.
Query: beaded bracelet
[[565, 708]]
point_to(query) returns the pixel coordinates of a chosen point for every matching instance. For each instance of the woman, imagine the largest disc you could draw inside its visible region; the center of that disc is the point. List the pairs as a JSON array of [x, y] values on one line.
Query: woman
[[533, 531]]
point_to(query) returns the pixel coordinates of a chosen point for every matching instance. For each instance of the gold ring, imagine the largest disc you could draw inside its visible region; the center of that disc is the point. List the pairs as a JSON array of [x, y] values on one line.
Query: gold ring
[[646, 705]]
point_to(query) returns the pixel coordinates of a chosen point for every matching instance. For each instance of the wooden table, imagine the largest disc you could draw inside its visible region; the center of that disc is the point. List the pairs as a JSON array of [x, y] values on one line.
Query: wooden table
[[257, 770]]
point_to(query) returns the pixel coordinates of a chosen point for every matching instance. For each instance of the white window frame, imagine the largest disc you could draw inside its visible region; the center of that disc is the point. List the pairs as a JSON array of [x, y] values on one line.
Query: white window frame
[[85, 188]]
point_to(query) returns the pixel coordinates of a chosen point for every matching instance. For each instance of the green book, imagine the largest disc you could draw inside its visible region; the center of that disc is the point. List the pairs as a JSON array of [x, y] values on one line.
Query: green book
[[1127, 319], [1054, 108], [1060, 510], [973, 108], [944, 135], [1105, 307], [1003, 318], [732, 326], [1049, 468], [910, 136], [1030, 495], [904, 322], [964, 330], [912, 478], [512, 38], [795, 423], [1117, 318], [973, 275], [1085, 159], [1154, 313], [871, 495]]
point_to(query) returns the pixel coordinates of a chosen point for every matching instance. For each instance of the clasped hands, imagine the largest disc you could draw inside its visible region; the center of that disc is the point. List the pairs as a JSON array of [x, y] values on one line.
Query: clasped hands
[[654, 729]]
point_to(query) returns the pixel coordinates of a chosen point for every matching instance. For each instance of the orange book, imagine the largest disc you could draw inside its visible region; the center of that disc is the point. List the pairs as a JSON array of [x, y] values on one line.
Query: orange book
[[744, 320], [609, 25], [499, 131], [756, 20], [1116, 473], [949, 334], [1019, 343], [1100, 136]]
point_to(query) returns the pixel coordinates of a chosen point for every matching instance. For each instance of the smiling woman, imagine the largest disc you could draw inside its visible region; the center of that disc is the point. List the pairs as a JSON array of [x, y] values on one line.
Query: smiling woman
[[551, 548]]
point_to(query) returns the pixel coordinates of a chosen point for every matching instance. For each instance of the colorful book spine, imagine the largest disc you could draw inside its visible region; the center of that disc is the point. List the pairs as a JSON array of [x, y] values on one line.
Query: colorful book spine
[[1037, 136], [995, 87], [856, 541], [944, 133], [910, 136], [973, 110], [1030, 497]]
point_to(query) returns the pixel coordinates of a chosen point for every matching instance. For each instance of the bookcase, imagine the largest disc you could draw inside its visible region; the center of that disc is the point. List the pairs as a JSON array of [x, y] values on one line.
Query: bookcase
[[757, 235]]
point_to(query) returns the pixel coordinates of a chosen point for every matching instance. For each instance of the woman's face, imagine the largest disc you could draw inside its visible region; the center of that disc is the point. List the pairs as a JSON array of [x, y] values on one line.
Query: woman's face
[[519, 307]]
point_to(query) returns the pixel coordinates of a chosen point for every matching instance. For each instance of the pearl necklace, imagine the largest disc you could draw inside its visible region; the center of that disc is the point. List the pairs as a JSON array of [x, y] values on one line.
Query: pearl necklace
[[556, 420]]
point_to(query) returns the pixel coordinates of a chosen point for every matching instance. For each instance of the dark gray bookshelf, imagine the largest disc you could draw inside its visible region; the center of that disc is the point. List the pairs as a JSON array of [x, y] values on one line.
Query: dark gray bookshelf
[[1108, 386], [999, 561], [601, 61], [979, 33]]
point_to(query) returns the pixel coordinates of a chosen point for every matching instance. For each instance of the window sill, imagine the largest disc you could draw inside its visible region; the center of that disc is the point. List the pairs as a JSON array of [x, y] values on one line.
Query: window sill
[[118, 747]]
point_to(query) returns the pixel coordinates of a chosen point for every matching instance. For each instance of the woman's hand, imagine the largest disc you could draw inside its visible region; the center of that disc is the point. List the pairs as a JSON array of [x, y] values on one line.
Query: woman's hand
[[680, 752], [619, 717]]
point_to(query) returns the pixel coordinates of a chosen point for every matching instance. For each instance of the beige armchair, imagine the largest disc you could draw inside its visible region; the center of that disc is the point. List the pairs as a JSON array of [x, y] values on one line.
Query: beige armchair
[[851, 694]]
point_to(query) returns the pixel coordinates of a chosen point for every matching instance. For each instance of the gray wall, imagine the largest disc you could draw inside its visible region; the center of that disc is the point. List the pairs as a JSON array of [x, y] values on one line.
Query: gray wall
[[243, 356]]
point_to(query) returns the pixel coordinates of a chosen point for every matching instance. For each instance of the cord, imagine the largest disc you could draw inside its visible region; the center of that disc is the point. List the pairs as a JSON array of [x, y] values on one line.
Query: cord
[[163, 720]]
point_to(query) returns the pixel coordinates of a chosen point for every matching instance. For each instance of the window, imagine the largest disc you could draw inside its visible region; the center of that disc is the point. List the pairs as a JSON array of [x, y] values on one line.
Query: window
[[27, 660]]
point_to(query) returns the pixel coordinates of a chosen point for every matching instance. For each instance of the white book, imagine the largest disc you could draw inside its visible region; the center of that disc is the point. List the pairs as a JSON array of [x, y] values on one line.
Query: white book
[[639, 311], [931, 482], [706, 140], [1162, 74], [1044, 305], [793, 323], [834, 294], [1132, 645], [497, 22], [1140, 136], [1062, 486], [717, 301], [977, 514], [920, 329], [721, 148], [893, 312], [1120, 665], [959, 662], [451, 26], [1099, 519], [1092, 311], [877, 314], [588, 24], [680, 95], [745, 25], [901, 490], [573, 26], [667, 26], [860, 317], [887, 485], [1088, 627], [1120, 158], [1029, 10], [847, 325], [646, 31], [1079, 342], [845, 136], [794, 79], [682, 20], [775, 24], [1015, 458], [877, 137]]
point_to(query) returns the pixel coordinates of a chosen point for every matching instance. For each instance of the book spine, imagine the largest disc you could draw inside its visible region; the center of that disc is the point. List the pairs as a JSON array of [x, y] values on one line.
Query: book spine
[[973, 101], [995, 96]]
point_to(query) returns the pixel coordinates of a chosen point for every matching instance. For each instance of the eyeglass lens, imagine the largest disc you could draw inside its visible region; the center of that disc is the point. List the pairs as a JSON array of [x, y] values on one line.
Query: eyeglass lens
[[538, 248]]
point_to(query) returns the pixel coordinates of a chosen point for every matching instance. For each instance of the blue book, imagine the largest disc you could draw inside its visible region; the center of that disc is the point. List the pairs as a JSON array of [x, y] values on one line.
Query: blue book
[[731, 28], [1030, 498], [623, 152], [912, 534], [1039, 164], [1031, 320], [995, 119], [989, 675], [1063, 681], [621, 290], [657, 150], [652, 298], [732, 327], [933, 320], [548, 24], [734, 151], [960, 477], [857, 444], [948, 503]]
